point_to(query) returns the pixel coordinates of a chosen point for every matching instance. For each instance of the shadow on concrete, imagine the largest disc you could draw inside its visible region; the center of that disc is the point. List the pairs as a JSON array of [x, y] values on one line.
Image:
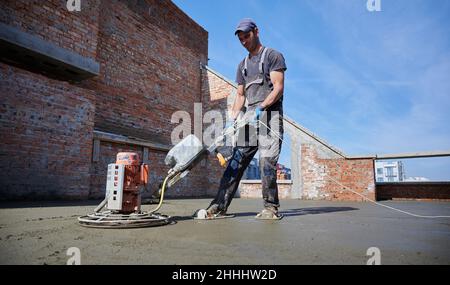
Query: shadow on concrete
[[315, 211], [181, 218], [303, 211], [287, 213]]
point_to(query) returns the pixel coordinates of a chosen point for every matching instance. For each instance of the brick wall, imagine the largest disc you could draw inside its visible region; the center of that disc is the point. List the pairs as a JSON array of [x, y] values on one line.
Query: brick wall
[[149, 54], [47, 125], [253, 189], [46, 129], [216, 86], [149, 69], [321, 178], [51, 21], [324, 178], [414, 191]]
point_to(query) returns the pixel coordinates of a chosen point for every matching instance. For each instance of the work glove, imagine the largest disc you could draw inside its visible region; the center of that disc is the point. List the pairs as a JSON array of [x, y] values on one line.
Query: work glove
[[258, 114]]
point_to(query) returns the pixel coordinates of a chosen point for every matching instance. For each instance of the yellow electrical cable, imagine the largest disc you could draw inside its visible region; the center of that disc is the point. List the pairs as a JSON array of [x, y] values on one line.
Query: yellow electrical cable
[[163, 188]]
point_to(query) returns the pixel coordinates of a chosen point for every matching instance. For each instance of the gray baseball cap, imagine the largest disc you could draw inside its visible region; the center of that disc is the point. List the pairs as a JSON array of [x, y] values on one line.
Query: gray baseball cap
[[245, 25]]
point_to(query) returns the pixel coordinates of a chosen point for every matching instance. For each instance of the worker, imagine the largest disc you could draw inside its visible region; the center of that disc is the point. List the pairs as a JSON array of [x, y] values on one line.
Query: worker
[[260, 80]]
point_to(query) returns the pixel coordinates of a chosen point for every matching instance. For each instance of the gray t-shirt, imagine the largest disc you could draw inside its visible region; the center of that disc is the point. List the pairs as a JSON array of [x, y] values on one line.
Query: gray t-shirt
[[275, 61]]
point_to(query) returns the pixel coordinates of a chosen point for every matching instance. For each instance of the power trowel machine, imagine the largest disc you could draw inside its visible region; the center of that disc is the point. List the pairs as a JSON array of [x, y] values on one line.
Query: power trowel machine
[[127, 177]]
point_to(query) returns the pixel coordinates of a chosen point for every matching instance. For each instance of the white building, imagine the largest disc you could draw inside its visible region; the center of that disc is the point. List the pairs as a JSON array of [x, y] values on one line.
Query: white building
[[392, 171]]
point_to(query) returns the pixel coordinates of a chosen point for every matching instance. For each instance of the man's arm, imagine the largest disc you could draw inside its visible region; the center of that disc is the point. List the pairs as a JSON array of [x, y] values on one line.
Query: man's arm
[[239, 102], [277, 78]]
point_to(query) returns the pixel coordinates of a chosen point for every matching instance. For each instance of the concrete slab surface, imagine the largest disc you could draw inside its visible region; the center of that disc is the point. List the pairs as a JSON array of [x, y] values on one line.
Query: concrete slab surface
[[312, 232]]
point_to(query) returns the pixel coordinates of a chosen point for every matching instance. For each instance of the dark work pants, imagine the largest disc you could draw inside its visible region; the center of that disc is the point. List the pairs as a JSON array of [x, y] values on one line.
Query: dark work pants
[[238, 163]]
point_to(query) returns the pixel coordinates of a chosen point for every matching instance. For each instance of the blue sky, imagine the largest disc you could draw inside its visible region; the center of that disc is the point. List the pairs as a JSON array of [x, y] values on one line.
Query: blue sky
[[366, 82]]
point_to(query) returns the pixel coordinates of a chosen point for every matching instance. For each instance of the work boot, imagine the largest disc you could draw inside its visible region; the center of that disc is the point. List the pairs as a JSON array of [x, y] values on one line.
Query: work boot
[[269, 213], [215, 211]]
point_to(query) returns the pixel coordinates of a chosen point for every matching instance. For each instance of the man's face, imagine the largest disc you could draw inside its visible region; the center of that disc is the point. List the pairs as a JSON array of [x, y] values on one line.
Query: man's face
[[249, 39]]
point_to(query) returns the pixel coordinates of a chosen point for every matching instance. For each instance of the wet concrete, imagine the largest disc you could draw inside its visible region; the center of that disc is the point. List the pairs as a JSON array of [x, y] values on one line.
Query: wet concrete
[[312, 232]]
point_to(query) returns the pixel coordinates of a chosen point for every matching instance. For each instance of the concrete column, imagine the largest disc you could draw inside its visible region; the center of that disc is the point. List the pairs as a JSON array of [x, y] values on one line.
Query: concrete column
[[145, 155], [96, 151], [297, 185]]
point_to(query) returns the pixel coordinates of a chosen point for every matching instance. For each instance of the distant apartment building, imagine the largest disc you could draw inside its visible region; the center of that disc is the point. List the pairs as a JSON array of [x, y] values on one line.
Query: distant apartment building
[[252, 172], [283, 173], [392, 171]]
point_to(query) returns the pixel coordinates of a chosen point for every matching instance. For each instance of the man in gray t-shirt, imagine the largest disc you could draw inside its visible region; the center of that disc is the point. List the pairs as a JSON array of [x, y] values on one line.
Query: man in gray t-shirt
[[260, 79], [275, 62]]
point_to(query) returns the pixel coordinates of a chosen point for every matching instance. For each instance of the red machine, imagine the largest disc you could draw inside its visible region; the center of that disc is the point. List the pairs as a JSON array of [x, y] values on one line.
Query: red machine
[[125, 181], [126, 198]]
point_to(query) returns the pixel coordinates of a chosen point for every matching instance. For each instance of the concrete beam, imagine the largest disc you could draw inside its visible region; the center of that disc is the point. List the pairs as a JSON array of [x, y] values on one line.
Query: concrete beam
[[415, 154], [145, 155], [363, 156], [96, 151], [109, 137], [296, 176], [421, 154], [31, 52]]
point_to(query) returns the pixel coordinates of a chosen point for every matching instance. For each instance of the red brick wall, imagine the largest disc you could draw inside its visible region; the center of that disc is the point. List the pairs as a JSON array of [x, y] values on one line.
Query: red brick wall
[[148, 68], [217, 91], [414, 191], [47, 125], [216, 87], [323, 177], [51, 21], [46, 129], [149, 54]]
